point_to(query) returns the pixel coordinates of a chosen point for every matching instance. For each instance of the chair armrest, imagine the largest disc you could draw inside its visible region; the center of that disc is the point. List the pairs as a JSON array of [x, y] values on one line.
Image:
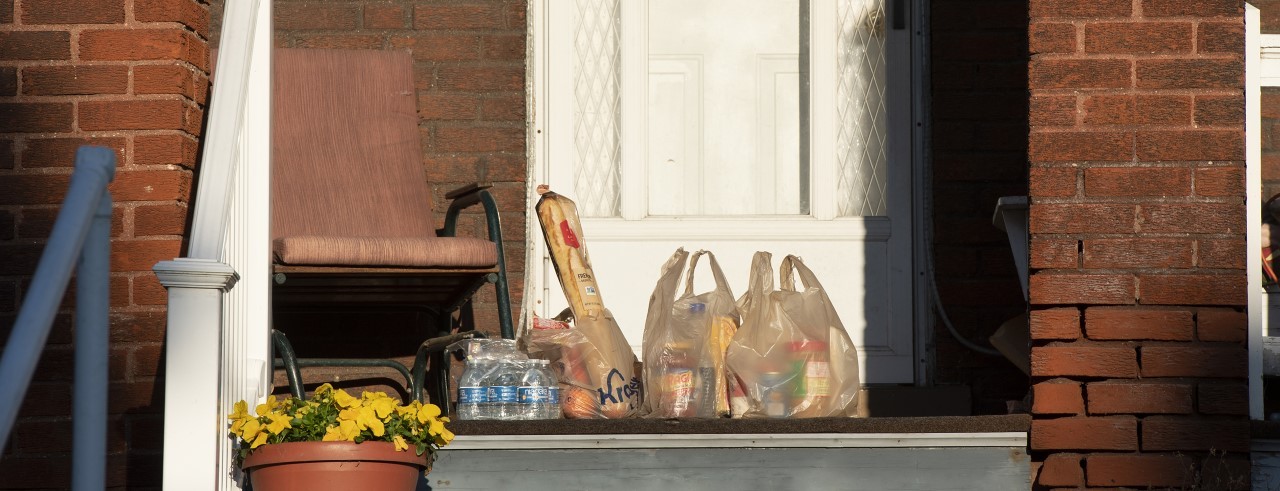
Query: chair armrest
[[469, 195], [464, 197], [467, 189]]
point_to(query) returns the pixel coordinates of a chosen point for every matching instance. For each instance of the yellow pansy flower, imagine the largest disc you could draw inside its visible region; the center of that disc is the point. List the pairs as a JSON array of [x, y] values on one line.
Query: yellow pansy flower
[[239, 411], [344, 399], [266, 407], [429, 412], [349, 430], [322, 389], [408, 410], [382, 407], [261, 439], [349, 414], [250, 429], [332, 434], [437, 428], [401, 445], [278, 423], [368, 419], [369, 396], [443, 438]]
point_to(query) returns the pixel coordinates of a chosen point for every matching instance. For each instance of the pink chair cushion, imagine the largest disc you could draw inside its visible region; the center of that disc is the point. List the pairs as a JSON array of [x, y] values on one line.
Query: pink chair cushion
[[427, 252], [348, 184]]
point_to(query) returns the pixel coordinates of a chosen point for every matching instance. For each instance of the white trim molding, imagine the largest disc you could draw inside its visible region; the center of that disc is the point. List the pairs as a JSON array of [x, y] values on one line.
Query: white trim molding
[[1256, 298]]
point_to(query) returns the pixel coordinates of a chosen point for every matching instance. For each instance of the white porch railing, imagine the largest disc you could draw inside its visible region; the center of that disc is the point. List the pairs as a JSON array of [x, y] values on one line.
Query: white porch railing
[[217, 347]]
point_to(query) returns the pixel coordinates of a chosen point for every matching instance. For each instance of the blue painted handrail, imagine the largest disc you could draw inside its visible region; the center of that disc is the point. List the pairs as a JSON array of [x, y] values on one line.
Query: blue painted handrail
[[81, 236]]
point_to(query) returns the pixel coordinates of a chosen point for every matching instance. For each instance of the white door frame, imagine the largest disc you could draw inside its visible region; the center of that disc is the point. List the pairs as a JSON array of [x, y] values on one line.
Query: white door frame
[[544, 40]]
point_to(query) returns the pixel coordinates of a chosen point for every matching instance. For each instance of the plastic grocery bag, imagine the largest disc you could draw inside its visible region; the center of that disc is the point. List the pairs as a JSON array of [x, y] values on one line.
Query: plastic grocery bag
[[685, 338], [591, 357], [593, 363], [792, 354]]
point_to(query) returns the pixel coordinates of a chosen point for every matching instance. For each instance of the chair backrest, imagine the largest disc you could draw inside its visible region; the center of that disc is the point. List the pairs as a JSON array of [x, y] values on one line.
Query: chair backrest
[[346, 153]]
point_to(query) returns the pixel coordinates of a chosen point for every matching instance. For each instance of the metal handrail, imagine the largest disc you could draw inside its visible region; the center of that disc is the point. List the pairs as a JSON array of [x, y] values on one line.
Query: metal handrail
[[81, 236]]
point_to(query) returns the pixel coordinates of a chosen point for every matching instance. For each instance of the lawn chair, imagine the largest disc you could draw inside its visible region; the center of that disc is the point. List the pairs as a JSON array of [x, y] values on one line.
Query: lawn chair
[[352, 222]]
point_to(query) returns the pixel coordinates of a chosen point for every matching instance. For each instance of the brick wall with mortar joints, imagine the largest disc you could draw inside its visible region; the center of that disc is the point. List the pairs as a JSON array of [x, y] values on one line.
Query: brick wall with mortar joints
[[130, 75], [1137, 244], [979, 128]]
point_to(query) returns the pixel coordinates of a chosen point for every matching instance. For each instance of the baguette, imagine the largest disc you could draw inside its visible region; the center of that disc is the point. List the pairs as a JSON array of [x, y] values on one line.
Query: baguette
[[558, 216]]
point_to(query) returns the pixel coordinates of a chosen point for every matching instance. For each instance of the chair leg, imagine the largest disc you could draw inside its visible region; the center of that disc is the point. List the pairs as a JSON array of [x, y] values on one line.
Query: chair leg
[[440, 360], [503, 294], [289, 361]]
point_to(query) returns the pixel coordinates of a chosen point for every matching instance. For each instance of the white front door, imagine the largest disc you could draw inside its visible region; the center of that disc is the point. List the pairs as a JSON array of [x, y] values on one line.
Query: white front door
[[733, 126]]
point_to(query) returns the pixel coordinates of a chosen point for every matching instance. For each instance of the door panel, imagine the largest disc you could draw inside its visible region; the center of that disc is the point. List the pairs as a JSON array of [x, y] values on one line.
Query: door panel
[[734, 126]]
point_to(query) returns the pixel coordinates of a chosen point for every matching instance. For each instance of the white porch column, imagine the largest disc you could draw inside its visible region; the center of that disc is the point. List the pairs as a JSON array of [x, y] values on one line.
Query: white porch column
[[193, 352]]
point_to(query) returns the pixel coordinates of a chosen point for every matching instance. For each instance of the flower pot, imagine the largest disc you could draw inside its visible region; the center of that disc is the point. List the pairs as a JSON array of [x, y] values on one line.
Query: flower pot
[[333, 465]]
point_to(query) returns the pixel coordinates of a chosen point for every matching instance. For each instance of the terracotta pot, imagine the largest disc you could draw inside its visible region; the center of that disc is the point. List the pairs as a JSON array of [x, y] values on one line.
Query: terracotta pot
[[314, 466]]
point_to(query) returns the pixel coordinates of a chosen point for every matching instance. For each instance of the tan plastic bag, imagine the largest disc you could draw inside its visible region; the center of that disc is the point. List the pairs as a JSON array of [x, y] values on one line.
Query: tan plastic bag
[[685, 338], [592, 359], [593, 363], [792, 354]]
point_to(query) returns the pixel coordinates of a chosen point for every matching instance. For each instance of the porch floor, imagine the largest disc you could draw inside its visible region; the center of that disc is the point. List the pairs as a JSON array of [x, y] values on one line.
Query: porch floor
[[1020, 423]]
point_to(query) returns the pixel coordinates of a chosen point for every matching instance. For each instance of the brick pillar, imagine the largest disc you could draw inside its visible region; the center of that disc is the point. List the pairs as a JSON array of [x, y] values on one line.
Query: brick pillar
[[130, 75], [1137, 243]]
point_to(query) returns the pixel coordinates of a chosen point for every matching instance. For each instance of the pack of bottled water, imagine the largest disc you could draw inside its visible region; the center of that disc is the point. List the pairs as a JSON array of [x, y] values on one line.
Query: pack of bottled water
[[499, 382]]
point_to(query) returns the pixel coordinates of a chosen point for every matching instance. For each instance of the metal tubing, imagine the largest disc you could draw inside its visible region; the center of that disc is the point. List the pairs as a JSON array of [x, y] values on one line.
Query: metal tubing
[[89, 416], [95, 167], [290, 362], [425, 349], [495, 234]]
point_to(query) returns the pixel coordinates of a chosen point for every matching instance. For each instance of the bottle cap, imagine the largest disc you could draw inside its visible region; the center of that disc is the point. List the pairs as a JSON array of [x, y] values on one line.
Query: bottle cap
[[697, 308]]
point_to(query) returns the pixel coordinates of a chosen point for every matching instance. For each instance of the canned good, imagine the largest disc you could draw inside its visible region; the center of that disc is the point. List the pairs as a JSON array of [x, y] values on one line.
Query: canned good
[[812, 374]]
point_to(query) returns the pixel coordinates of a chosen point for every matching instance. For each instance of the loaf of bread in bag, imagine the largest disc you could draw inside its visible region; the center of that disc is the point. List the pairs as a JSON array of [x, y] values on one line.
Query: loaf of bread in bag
[[558, 216]]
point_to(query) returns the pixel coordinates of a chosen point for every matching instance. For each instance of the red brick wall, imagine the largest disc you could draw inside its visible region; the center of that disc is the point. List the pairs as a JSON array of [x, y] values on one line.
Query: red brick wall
[[1137, 240], [130, 75], [979, 102]]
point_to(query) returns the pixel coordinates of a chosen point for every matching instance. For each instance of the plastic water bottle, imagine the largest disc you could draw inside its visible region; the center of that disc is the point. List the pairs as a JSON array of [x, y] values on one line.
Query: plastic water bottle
[[535, 391], [553, 391], [502, 391], [473, 394]]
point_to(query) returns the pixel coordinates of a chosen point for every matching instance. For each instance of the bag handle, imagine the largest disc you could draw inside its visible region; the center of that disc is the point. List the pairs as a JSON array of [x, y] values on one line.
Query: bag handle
[[793, 265], [672, 270], [716, 272], [761, 279]]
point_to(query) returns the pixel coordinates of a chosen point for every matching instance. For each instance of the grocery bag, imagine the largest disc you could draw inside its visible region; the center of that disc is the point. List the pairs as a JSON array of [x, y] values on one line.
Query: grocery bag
[[590, 356], [792, 354], [685, 338]]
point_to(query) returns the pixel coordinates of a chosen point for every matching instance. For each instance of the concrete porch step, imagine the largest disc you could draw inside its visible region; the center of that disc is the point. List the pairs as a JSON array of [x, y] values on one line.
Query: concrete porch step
[[961, 453]]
